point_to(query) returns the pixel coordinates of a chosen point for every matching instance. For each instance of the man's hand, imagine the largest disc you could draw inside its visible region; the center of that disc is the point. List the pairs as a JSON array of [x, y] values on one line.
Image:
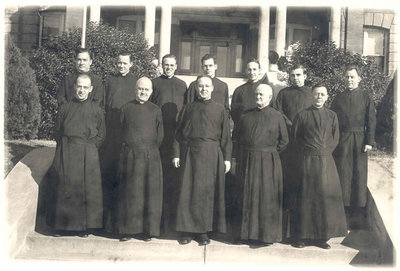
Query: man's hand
[[227, 166], [367, 148], [175, 162]]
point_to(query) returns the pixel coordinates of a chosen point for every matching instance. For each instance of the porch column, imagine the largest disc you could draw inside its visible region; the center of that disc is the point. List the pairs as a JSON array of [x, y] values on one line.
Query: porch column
[[334, 29], [263, 37], [165, 30], [94, 13], [149, 24], [280, 30]]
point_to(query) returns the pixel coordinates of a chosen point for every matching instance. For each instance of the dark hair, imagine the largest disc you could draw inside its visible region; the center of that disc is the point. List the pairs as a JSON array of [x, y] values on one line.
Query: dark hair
[[207, 57], [126, 53], [319, 85], [83, 50], [273, 57], [354, 67], [298, 66], [168, 56], [254, 60], [83, 76]]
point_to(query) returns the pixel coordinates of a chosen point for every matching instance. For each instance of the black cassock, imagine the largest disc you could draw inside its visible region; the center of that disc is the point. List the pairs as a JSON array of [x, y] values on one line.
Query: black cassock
[[204, 140], [219, 95], [289, 102], [357, 122], [261, 135], [66, 89], [169, 95], [119, 90], [76, 200], [140, 189], [319, 211]]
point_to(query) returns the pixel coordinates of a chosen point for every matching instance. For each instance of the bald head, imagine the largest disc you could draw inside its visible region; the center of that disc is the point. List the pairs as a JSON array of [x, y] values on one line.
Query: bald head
[[144, 88], [263, 95]]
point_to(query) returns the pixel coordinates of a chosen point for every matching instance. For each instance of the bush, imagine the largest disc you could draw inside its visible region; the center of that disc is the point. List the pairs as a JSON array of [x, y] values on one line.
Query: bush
[[22, 105], [55, 59], [326, 64]]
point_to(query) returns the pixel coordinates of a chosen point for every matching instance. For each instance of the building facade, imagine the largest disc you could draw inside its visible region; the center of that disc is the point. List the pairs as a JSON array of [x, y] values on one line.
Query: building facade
[[233, 34]]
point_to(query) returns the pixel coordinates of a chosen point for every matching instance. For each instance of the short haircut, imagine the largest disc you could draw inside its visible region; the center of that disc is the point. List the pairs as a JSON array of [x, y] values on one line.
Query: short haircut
[[298, 66], [83, 50], [254, 60], [319, 85], [203, 76], [83, 76], [125, 53], [273, 57], [354, 67], [207, 57], [168, 56]]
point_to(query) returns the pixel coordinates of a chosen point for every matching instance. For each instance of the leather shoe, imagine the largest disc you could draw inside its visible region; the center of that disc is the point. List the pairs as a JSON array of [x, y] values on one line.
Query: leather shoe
[[124, 239], [204, 240], [323, 245], [299, 244], [83, 235], [147, 239], [184, 241]]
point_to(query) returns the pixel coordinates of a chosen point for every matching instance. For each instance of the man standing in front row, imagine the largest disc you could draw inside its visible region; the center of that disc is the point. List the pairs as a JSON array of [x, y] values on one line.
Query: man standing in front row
[[139, 193], [169, 94], [319, 212], [261, 135], [220, 93], [118, 91], [66, 90], [203, 152], [290, 101], [76, 201], [357, 122]]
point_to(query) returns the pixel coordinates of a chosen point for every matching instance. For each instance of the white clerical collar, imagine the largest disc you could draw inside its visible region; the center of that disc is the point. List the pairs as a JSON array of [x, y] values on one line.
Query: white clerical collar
[[169, 77]]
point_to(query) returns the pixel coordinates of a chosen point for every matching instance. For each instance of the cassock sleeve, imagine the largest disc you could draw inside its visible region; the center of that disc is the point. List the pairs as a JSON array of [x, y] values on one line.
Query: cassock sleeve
[[279, 106], [178, 134], [58, 128], [101, 128], [61, 98], [226, 103], [370, 123], [156, 92], [297, 132], [283, 139], [335, 132], [226, 142], [160, 128], [190, 94], [236, 137], [98, 92], [236, 105]]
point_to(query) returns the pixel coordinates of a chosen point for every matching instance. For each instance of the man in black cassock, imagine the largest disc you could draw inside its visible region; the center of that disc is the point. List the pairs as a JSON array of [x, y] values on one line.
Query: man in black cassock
[[357, 122], [243, 96], [220, 93], [261, 135], [66, 90], [169, 94], [289, 102], [319, 212], [140, 189], [75, 203], [203, 155], [119, 89]]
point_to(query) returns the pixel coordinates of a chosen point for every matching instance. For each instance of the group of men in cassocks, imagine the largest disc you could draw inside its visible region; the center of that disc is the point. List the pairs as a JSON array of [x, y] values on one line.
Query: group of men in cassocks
[[145, 158]]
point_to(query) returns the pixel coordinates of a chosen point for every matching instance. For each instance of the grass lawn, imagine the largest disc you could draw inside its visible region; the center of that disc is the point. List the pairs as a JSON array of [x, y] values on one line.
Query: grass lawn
[[15, 150]]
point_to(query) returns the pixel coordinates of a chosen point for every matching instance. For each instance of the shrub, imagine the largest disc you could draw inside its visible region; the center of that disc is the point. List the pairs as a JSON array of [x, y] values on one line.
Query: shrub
[[326, 64], [55, 59], [22, 105]]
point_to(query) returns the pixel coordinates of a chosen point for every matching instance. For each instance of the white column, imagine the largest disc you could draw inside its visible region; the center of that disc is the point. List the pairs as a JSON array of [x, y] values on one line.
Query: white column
[[94, 13], [83, 40], [150, 24], [334, 30], [165, 30], [280, 30], [263, 37]]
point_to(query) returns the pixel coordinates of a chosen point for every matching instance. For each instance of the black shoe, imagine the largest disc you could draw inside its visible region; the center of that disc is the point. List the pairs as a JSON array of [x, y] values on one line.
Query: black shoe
[[184, 240], [124, 239], [147, 238], [299, 244], [323, 245], [203, 239], [57, 235], [83, 235]]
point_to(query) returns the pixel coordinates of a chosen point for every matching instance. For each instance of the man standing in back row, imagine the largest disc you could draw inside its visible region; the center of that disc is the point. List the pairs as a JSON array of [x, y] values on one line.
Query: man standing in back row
[[169, 94]]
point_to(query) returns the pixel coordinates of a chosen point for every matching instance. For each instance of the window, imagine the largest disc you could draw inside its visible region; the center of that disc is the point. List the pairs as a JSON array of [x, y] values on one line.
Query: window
[[52, 23], [376, 45], [135, 24]]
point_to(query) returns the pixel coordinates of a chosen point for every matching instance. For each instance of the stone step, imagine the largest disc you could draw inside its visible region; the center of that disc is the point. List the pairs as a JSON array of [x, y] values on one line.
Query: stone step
[[98, 248]]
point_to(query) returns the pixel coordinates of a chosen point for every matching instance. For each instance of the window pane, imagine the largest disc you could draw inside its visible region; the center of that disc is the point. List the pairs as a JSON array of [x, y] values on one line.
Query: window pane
[[127, 25], [185, 55], [52, 24], [301, 35], [373, 42], [238, 58], [204, 49], [222, 57]]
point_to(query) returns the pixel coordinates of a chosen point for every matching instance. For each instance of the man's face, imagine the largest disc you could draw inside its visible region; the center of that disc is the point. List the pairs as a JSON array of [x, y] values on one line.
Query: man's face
[[169, 66], [209, 67], [83, 87], [297, 77], [204, 88], [320, 95], [143, 90], [253, 71], [124, 64], [83, 62], [263, 95], [353, 79]]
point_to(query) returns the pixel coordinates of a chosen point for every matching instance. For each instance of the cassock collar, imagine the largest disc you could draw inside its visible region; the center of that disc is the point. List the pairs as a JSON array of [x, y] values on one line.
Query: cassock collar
[[137, 102], [166, 77], [205, 101]]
